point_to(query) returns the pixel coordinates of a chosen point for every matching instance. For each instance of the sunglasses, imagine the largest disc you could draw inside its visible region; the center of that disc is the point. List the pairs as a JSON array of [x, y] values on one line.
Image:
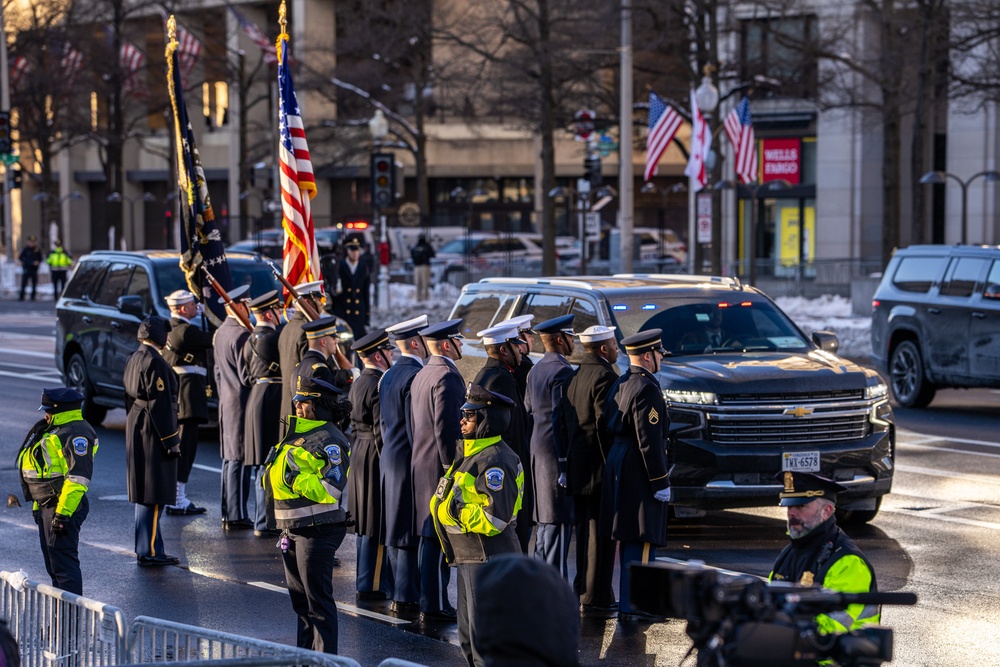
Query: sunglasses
[[470, 415]]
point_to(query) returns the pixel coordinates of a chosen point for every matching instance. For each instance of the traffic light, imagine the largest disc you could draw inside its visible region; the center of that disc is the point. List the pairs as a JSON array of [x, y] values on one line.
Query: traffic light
[[383, 180], [592, 169], [4, 132], [15, 177]]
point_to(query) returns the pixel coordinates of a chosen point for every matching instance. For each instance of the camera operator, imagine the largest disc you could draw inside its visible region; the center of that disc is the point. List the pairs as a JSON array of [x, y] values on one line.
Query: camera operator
[[820, 553]]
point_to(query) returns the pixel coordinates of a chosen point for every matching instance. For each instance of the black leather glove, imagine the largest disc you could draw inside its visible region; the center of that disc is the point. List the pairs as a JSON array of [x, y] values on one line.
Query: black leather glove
[[174, 452], [60, 524]]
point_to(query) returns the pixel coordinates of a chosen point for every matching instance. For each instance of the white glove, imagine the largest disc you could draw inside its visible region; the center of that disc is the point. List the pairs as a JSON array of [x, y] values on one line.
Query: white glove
[[200, 310], [562, 480], [663, 495]]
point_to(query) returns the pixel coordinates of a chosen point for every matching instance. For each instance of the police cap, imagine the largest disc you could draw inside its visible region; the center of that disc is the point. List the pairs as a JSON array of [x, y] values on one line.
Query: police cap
[[154, 329], [561, 324], [314, 389], [477, 398], [644, 341], [265, 301], [61, 399], [352, 242], [804, 487], [443, 330], [372, 343], [320, 328], [408, 328], [241, 293]]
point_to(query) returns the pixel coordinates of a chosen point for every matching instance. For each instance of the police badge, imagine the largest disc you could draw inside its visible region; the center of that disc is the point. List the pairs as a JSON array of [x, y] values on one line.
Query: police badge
[[494, 479]]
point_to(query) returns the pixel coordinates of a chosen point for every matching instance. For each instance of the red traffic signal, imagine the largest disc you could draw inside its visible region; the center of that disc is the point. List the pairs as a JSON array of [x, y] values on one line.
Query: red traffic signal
[[383, 180]]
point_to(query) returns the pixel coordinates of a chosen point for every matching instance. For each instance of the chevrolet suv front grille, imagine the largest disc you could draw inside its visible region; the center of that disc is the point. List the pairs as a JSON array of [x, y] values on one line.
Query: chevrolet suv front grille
[[776, 420]]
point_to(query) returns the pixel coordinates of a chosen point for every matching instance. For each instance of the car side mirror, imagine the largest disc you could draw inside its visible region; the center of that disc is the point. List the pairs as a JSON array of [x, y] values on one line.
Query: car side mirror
[[130, 305], [826, 340], [992, 291]]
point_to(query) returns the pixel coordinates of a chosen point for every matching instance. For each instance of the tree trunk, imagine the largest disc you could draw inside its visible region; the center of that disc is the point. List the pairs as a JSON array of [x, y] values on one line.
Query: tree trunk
[[922, 97], [890, 67], [547, 128]]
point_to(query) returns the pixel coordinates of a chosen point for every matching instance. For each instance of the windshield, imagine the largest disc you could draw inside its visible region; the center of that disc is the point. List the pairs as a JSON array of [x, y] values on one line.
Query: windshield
[[458, 246], [702, 327], [258, 275]]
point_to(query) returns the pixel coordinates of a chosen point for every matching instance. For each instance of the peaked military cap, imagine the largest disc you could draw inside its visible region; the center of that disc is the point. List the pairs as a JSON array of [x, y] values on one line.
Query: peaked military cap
[[179, 298], [596, 333], [352, 242], [522, 322], [372, 343], [443, 330], [477, 398], [501, 333], [804, 487], [310, 388], [320, 328], [313, 288], [408, 328], [241, 293], [61, 399], [650, 339], [265, 301], [561, 324], [154, 328]]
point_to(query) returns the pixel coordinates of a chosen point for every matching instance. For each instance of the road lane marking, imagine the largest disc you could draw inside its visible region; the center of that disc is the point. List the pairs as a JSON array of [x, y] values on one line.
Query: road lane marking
[[199, 466], [951, 450], [936, 472], [341, 606], [34, 378], [905, 438], [988, 525], [29, 353]]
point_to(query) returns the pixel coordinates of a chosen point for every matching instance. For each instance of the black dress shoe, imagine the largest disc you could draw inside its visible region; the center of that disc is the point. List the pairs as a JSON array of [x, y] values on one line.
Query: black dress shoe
[[267, 532], [370, 595], [442, 616], [599, 611], [641, 617], [396, 607], [239, 524], [157, 561], [189, 510]]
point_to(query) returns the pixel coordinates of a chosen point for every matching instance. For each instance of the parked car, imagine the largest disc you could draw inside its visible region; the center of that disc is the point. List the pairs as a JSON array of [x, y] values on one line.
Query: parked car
[[766, 398], [98, 316], [270, 242], [936, 321], [481, 253], [660, 245]]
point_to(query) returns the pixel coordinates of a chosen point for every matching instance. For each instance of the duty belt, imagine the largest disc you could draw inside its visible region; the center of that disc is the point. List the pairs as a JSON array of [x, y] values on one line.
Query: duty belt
[[269, 380], [186, 358], [195, 370]]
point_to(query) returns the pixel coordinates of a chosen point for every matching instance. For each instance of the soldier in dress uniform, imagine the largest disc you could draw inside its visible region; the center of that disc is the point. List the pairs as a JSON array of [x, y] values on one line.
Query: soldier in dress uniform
[[185, 351], [401, 536], [292, 342], [523, 324], [352, 303], [502, 344], [437, 395], [364, 490], [152, 443], [589, 444], [230, 380], [319, 360], [544, 402], [635, 488], [263, 414]]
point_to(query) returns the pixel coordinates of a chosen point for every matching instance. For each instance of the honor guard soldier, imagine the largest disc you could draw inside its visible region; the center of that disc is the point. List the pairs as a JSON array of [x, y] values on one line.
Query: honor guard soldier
[[635, 488], [56, 463], [352, 302], [320, 359], [230, 380], [292, 342], [436, 402], [364, 496], [523, 324], [502, 344], [589, 444], [152, 443], [305, 480], [820, 553], [544, 402], [185, 351], [263, 413], [401, 536], [474, 508]]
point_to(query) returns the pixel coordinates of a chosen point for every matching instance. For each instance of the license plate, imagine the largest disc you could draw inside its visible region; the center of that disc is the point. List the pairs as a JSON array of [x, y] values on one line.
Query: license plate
[[800, 461]]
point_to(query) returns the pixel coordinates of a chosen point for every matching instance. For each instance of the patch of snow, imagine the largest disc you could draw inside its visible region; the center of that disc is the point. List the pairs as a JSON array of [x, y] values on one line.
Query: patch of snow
[[831, 313]]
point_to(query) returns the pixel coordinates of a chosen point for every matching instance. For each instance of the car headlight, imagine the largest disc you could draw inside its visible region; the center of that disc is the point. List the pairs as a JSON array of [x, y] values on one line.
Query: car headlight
[[690, 397], [879, 390]]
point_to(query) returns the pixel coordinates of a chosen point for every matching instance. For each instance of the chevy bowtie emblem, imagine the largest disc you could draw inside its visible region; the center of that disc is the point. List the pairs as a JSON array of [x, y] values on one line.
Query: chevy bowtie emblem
[[798, 411]]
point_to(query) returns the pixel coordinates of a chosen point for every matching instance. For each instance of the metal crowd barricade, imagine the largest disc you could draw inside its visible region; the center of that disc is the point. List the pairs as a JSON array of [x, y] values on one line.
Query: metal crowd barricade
[[152, 640], [54, 628]]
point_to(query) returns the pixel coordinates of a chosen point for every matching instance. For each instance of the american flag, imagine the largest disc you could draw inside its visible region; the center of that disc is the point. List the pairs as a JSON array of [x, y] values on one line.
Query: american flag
[[664, 122], [201, 242], [131, 59], [739, 129], [701, 142], [298, 186], [256, 35], [18, 69], [71, 63]]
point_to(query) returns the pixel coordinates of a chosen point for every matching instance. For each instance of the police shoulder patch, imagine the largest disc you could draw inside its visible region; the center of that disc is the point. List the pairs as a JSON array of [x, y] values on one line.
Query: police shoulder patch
[[333, 452], [494, 479], [80, 445]]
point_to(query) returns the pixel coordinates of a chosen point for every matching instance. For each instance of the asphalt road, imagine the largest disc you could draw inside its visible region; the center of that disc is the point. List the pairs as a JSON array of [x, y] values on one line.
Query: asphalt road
[[937, 535]]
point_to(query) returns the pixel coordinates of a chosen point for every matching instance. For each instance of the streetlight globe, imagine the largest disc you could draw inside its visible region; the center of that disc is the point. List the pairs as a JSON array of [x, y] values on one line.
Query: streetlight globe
[[378, 126], [707, 95]]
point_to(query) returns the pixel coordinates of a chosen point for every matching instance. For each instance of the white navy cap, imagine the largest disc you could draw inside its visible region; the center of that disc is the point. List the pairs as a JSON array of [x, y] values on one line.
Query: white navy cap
[[596, 334], [501, 333], [407, 329], [179, 298], [310, 288], [522, 322]]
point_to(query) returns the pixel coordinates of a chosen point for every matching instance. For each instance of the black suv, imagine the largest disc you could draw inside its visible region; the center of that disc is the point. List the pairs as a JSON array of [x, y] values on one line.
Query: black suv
[[936, 321], [760, 399], [98, 316]]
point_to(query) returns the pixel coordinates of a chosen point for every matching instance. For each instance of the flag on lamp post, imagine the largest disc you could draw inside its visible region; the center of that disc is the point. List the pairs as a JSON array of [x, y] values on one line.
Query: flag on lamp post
[[298, 186], [739, 129], [256, 35], [71, 63], [701, 143], [664, 122]]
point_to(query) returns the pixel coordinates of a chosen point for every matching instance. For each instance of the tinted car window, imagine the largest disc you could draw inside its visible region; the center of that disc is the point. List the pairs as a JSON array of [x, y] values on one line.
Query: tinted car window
[[258, 275], [115, 282], [545, 307], [962, 276], [139, 286], [993, 279], [917, 274], [586, 316], [477, 312], [85, 280]]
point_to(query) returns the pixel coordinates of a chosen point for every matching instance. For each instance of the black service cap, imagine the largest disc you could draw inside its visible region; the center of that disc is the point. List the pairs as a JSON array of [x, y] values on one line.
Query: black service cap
[[477, 398], [154, 328], [804, 487], [61, 399], [650, 339]]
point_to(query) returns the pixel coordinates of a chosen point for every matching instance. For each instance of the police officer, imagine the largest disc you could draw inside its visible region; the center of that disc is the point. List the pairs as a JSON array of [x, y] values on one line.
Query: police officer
[[589, 445], [474, 508], [56, 463], [364, 496], [152, 443], [401, 537], [230, 380], [59, 262], [820, 553], [635, 488], [305, 478], [263, 413], [292, 342], [352, 303], [436, 401], [502, 344], [544, 402], [185, 351]]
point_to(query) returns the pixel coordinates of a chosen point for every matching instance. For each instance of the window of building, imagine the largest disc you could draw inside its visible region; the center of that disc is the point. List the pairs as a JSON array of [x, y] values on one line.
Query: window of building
[[782, 49]]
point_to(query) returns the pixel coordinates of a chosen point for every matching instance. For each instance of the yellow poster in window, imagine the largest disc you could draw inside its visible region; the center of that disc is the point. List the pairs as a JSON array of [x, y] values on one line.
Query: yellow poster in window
[[789, 235]]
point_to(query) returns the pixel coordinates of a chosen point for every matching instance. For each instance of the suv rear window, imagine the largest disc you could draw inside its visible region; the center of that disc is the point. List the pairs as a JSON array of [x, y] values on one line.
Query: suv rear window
[[257, 275], [115, 282], [477, 312], [962, 276], [85, 280], [917, 274]]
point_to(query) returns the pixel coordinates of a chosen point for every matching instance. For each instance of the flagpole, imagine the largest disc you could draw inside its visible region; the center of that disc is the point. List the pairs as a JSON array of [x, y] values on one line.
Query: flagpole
[[625, 184], [8, 232]]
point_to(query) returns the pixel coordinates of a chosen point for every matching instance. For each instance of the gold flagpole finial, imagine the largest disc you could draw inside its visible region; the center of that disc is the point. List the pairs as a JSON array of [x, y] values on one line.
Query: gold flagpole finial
[[171, 28], [283, 17]]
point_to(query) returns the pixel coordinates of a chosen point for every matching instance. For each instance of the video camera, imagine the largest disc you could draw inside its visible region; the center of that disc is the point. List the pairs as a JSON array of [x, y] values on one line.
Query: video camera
[[746, 622]]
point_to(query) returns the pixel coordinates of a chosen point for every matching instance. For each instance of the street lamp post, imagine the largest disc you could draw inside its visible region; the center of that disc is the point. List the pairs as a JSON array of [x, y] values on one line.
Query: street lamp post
[[707, 96], [378, 127], [118, 198], [751, 234], [941, 178]]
